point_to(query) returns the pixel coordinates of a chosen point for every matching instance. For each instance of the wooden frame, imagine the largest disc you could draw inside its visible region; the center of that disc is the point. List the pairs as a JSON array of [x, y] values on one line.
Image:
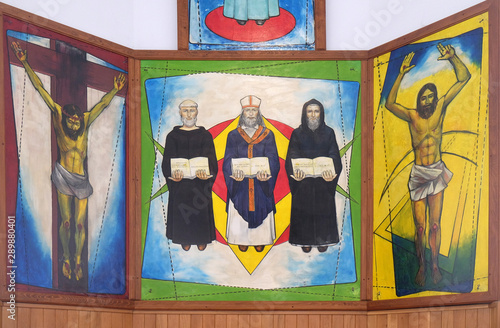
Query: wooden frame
[[134, 168]]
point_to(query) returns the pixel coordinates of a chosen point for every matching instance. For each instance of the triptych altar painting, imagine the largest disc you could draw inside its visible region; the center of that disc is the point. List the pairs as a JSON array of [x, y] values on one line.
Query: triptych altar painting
[[66, 164]]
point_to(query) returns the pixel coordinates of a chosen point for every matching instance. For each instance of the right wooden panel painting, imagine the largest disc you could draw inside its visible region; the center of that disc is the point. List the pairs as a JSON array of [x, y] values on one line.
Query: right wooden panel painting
[[431, 167]]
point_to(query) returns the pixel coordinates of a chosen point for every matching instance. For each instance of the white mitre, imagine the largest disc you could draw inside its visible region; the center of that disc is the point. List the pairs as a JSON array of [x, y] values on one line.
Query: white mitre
[[250, 101]]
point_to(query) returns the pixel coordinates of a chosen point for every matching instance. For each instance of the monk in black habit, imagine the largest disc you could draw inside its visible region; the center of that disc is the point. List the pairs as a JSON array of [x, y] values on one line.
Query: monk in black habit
[[313, 221], [190, 216]]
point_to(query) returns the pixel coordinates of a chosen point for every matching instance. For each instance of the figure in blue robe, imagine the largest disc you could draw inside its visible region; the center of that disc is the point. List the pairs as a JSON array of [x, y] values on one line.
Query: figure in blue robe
[[250, 201], [245, 10]]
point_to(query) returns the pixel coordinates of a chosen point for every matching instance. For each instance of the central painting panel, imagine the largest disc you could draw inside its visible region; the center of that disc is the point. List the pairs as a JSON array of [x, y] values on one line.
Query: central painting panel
[[180, 260]]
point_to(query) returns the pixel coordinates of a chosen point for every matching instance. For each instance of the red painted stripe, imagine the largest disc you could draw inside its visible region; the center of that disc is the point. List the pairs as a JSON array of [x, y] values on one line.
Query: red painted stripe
[[217, 129]]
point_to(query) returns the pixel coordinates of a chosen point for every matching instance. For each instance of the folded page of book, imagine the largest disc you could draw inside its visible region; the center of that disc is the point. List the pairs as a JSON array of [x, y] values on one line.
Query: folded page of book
[[304, 164], [322, 164], [199, 163], [259, 164]]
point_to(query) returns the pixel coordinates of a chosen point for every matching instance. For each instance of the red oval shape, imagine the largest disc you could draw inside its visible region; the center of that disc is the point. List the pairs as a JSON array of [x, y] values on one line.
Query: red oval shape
[[228, 28]]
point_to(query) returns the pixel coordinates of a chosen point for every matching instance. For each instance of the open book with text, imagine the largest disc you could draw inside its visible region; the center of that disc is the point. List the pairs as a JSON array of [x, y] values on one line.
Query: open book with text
[[313, 167], [189, 166], [250, 166]]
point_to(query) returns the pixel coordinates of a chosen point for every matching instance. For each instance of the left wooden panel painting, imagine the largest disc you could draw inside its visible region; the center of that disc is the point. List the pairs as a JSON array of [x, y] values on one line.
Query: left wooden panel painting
[[65, 105]]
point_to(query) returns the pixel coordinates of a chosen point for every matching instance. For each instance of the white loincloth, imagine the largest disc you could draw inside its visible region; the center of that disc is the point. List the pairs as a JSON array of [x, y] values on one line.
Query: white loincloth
[[71, 184], [428, 180]]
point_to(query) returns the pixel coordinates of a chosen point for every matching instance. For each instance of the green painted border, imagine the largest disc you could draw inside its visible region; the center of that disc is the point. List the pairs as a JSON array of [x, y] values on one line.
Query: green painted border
[[329, 70]]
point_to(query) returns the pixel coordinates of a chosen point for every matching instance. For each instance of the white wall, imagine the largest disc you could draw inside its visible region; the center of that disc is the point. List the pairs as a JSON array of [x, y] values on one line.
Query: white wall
[[152, 24]]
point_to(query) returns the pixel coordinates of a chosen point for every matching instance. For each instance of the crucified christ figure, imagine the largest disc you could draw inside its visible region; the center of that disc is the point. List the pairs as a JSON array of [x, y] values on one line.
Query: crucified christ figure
[[71, 127]]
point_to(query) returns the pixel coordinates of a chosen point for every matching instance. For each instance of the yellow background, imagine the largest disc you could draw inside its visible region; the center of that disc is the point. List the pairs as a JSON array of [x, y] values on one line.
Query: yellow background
[[462, 205]]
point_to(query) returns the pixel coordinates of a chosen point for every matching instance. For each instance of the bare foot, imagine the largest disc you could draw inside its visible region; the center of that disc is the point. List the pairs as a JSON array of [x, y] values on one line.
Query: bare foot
[[78, 268], [186, 247], [306, 249], [66, 269], [242, 248], [436, 274], [78, 271], [202, 247], [420, 278]]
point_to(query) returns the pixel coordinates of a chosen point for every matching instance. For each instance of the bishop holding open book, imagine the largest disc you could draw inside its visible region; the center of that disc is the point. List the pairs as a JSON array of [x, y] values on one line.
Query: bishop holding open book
[[250, 205]]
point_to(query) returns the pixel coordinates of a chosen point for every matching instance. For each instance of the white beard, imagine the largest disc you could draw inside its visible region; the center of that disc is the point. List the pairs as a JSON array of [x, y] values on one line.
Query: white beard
[[249, 125], [189, 123], [313, 124], [249, 122]]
